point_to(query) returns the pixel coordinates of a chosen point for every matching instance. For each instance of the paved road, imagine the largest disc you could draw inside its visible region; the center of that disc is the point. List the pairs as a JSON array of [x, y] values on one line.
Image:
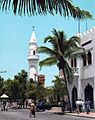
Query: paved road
[[24, 115]]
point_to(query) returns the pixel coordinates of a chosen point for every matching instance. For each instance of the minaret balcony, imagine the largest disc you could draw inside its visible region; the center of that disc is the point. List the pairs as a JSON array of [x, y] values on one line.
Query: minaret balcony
[[33, 57]]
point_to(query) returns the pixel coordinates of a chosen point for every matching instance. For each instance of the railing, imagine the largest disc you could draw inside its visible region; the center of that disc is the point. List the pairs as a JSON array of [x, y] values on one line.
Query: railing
[[33, 57]]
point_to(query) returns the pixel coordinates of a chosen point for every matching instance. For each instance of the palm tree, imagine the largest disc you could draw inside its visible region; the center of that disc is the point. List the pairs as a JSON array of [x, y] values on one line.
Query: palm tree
[[42, 7], [61, 50]]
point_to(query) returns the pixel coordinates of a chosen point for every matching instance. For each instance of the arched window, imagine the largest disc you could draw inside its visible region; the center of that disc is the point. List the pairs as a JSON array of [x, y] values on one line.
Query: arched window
[[73, 62], [89, 57], [84, 59], [33, 52]]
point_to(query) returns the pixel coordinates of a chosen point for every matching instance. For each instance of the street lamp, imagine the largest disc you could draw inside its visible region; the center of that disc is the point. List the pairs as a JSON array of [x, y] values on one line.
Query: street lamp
[[3, 71]]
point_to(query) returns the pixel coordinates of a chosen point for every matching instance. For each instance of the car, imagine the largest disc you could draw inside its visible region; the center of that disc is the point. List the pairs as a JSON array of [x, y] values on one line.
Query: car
[[41, 106]]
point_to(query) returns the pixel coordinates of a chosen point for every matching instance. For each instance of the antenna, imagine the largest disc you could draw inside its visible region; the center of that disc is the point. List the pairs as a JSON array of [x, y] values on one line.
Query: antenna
[[33, 28], [78, 25], [86, 25]]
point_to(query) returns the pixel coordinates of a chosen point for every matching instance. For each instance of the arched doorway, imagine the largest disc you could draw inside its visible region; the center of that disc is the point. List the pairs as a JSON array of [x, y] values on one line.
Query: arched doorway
[[89, 94], [74, 97]]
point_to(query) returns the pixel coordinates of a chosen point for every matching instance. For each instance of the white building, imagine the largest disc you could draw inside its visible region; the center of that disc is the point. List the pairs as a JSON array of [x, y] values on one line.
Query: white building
[[33, 57], [83, 85]]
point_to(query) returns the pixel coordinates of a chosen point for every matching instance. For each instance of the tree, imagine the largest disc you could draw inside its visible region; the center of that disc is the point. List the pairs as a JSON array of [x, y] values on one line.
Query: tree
[[58, 88], [22, 80], [7, 87], [49, 94], [61, 50], [1, 85], [31, 89], [42, 7]]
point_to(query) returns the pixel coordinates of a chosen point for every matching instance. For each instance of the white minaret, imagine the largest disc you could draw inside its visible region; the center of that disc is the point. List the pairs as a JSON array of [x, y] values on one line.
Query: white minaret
[[33, 57]]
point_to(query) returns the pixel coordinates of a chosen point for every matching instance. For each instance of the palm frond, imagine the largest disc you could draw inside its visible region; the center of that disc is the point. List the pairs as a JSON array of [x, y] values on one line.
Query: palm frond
[[71, 53], [52, 41], [42, 7], [48, 61], [46, 50], [75, 39], [66, 8], [71, 44], [77, 52]]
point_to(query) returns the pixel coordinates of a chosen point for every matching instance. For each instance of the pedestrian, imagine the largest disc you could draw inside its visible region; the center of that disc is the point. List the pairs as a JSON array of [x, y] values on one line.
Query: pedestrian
[[87, 106], [63, 105], [32, 109], [7, 106], [26, 103], [83, 106], [79, 106], [4, 105]]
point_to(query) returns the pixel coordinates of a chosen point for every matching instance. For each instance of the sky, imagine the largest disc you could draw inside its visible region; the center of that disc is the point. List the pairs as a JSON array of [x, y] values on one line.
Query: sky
[[15, 33]]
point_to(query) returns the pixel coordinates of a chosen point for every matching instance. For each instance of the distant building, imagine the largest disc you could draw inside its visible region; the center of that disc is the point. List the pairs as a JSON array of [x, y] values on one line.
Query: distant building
[[41, 79], [33, 57]]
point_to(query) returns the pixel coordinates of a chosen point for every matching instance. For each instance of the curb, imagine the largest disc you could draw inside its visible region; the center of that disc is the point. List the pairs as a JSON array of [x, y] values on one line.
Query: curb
[[80, 115]]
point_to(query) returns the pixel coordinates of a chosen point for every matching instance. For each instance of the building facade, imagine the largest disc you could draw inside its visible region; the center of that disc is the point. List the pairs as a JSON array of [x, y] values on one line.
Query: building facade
[[83, 85], [33, 57]]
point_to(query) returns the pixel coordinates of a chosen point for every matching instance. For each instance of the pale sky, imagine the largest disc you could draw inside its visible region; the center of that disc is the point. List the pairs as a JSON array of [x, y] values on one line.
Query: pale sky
[[15, 33]]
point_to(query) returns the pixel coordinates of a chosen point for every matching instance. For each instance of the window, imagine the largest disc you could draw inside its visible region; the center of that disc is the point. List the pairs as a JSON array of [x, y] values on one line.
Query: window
[[73, 62], [33, 52], [84, 59], [89, 57]]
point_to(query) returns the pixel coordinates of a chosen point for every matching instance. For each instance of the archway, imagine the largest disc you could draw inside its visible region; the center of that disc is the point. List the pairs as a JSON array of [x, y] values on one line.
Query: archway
[[89, 94], [74, 97]]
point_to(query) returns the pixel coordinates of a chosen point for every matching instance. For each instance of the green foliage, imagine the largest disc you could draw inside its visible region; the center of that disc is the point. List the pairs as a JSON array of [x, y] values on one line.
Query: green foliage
[[42, 7], [59, 89], [22, 81], [1, 85], [60, 51]]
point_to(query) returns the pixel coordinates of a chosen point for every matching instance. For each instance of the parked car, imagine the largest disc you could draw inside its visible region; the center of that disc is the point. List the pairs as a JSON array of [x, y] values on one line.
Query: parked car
[[41, 106]]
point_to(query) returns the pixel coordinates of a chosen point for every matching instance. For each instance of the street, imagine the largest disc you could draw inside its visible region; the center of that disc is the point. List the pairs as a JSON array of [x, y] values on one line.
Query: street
[[23, 114]]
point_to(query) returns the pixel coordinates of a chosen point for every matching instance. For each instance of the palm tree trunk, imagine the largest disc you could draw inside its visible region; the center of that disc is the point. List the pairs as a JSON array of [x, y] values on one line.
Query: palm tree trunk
[[65, 79], [67, 89]]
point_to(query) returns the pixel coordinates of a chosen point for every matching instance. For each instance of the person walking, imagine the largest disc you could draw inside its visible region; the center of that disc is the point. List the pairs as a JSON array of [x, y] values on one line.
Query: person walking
[[4, 105], [87, 106], [32, 109], [7, 106], [79, 106], [63, 105]]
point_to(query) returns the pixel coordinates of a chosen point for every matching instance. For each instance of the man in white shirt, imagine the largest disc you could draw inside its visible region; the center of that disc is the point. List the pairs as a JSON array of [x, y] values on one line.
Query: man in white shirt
[[79, 106]]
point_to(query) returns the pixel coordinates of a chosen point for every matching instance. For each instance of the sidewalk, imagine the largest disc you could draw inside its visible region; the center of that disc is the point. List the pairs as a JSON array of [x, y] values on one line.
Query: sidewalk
[[84, 114], [90, 115]]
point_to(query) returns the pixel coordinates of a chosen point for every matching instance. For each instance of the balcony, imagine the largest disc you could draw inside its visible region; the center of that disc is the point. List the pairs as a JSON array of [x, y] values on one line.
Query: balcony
[[76, 71], [33, 57]]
